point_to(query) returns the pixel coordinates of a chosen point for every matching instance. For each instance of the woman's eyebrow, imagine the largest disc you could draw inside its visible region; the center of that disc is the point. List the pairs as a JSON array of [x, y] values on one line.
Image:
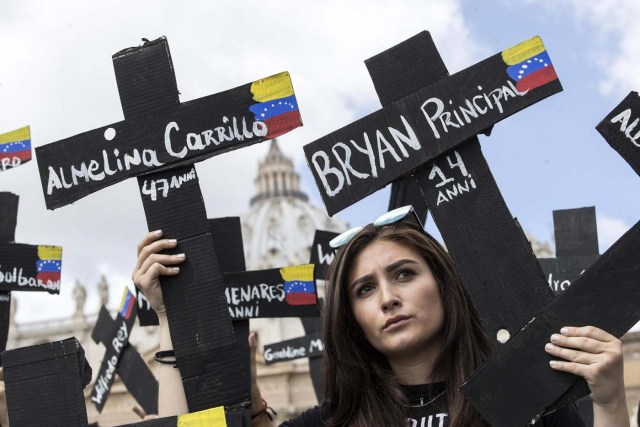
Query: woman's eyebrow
[[399, 263]]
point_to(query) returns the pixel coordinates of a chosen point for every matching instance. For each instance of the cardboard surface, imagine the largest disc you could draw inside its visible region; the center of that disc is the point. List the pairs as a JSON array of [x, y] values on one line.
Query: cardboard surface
[[490, 250], [576, 232], [322, 254], [15, 148], [44, 384], [179, 212], [396, 73], [620, 130], [201, 329], [271, 293], [159, 132], [8, 216], [8, 222], [576, 238], [419, 127]]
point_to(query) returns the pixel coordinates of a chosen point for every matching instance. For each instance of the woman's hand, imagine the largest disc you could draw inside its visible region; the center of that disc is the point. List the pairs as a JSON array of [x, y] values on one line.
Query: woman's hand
[[596, 356], [151, 265]]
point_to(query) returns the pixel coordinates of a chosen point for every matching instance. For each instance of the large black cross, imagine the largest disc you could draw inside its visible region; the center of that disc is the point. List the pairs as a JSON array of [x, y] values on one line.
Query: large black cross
[[607, 296], [488, 246], [158, 142], [122, 358], [22, 267]]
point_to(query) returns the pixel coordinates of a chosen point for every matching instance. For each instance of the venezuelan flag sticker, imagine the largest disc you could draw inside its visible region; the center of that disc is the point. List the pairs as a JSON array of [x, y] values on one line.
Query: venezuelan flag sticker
[[15, 148], [277, 106], [529, 64]]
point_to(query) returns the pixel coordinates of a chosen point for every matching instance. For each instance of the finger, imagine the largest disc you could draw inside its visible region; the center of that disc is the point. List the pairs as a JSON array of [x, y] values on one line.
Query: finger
[[570, 355], [154, 248], [579, 343], [162, 259], [147, 239], [1, 374], [157, 270], [139, 411], [587, 331], [570, 367]]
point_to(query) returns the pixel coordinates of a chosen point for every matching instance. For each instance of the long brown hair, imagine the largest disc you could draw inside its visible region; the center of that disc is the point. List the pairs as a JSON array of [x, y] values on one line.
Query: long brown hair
[[359, 383]]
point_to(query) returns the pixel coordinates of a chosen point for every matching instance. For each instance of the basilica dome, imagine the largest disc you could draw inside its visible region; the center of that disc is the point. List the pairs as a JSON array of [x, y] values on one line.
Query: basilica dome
[[279, 227]]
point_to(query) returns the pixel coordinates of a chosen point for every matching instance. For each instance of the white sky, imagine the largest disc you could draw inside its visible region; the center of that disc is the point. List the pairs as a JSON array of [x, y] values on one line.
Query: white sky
[[57, 76]]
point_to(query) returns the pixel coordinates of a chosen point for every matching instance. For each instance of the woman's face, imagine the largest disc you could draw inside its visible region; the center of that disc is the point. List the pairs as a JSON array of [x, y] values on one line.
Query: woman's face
[[395, 300]]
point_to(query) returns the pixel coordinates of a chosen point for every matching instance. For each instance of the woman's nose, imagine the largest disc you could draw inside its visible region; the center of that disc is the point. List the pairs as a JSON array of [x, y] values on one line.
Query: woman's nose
[[388, 299]]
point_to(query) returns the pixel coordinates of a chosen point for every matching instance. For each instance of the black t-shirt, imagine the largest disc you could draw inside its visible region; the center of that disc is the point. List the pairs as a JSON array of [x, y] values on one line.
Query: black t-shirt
[[428, 410]]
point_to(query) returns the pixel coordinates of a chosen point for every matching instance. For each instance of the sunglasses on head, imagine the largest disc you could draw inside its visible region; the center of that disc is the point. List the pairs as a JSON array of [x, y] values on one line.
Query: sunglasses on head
[[404, 214]]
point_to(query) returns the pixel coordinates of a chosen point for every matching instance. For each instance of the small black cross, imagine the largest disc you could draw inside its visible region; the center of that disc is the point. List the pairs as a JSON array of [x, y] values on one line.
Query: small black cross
[[576, 237], [22, 267], [122, 358]]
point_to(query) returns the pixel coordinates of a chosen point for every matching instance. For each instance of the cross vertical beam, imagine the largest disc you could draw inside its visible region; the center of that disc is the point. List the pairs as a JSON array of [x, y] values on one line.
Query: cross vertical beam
[[200, 325], [8, 222]]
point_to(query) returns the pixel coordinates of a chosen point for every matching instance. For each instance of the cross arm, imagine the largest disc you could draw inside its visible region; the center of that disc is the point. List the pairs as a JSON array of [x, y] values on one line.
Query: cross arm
[[30, 267], [75, 167], [364, 156]]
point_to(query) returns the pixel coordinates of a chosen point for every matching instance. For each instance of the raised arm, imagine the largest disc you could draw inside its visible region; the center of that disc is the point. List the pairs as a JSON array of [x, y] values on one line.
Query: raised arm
[[151, 264], [596, 356]]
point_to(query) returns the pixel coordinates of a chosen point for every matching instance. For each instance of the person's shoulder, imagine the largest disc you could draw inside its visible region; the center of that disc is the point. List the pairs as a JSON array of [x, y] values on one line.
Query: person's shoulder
[[310, 418]]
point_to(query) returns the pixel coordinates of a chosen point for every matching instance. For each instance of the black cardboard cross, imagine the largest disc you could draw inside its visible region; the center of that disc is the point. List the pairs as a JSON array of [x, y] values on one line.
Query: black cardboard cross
[[162, 138], [462, 195], [471, 215], [122, 358], [22, 267], [44, 384], [611, 282], [576, 237]]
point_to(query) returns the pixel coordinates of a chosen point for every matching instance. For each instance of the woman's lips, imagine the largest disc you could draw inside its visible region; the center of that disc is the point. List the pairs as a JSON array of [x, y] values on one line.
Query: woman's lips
[[395, 322]]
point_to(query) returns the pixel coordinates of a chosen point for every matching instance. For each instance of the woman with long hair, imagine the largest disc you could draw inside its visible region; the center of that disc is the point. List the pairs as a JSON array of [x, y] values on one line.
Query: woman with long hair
[[401, 336]]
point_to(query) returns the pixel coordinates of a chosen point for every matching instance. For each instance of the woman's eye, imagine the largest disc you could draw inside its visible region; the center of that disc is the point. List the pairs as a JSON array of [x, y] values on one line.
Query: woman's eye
[[405, 273], [364, 289]]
